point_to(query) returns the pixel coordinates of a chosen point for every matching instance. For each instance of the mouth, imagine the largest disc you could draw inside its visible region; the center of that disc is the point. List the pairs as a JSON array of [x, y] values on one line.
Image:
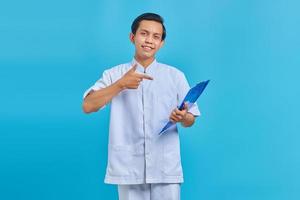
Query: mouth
[[147, 48]]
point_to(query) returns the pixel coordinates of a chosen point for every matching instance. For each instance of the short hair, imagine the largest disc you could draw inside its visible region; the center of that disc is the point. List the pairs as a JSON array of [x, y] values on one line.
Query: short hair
[[150, 17]]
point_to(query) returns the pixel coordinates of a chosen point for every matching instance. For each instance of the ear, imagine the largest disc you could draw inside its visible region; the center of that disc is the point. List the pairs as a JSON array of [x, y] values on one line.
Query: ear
[[131, 38]]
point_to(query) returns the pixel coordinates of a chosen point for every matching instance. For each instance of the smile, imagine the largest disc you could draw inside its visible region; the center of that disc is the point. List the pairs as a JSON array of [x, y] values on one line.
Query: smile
[[147, 48]]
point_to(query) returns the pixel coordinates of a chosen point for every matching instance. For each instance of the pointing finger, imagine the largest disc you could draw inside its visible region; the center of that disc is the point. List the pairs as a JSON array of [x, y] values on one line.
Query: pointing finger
[[144, 76], [147, 77]]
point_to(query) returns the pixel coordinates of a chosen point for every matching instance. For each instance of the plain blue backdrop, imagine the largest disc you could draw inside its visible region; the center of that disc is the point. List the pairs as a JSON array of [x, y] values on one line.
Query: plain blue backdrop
[[246, 144]]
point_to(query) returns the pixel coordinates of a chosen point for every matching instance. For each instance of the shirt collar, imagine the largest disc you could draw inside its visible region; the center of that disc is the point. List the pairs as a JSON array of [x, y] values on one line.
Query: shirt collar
[[142, 69]]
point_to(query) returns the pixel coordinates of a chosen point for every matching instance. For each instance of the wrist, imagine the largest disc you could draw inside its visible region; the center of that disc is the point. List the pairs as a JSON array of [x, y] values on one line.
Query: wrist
[[120, 84]]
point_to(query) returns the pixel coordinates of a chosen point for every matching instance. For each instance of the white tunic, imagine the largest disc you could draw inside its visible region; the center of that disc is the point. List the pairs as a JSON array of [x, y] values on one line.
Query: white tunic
[[136, 152]]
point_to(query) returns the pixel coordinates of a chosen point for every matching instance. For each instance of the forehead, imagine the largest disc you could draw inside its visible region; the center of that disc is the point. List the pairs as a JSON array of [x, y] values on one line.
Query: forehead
[[151, 26]]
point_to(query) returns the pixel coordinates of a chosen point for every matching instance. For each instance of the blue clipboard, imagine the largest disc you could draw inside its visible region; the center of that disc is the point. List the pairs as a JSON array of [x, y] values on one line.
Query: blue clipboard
[[190, 98]]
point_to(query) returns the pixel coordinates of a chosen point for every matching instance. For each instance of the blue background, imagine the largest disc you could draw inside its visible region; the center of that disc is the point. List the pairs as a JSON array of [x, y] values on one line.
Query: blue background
[[244, 146]]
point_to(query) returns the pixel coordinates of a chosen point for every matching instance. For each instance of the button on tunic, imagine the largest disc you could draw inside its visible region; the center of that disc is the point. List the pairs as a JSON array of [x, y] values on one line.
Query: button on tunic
[[136, 152]]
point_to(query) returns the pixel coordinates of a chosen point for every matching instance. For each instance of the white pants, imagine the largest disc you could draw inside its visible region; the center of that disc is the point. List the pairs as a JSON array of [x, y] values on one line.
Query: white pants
[[155, 191]]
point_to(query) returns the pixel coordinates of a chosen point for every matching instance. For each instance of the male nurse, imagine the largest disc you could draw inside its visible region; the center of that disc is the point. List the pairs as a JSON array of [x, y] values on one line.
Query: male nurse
[[143, 95]]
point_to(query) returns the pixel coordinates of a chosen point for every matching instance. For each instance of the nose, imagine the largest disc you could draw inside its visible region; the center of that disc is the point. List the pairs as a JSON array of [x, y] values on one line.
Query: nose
[[149, 39]]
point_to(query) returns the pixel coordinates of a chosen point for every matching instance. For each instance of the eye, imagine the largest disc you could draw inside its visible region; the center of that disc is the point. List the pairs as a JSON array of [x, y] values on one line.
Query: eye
[[143, 33], [157, 37]]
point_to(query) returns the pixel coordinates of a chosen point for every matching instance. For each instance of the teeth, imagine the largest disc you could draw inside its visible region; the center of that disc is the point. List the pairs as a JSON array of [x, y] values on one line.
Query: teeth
[[145, 47]]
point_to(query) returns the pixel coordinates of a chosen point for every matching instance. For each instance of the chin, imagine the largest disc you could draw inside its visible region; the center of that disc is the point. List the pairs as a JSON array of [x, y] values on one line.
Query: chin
[[146, 55], [149, 57]]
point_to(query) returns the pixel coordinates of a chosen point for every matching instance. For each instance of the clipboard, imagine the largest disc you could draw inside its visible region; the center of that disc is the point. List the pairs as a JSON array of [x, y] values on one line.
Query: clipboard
[[190, 98]]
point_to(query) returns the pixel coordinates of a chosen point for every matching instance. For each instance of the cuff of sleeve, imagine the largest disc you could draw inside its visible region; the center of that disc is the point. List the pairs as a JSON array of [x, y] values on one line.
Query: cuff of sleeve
[[194, 110], [90, 90]]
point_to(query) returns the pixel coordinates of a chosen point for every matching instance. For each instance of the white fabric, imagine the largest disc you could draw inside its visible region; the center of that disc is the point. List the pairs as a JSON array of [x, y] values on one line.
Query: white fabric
[[156, 191], [136, 153]]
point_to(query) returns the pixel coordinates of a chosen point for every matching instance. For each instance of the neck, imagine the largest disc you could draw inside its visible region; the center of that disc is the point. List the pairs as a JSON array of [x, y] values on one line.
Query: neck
[[144, 62]]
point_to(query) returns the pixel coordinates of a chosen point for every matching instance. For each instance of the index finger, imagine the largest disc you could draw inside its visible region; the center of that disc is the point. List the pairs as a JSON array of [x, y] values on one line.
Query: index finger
[[180, 112], [145, 76]]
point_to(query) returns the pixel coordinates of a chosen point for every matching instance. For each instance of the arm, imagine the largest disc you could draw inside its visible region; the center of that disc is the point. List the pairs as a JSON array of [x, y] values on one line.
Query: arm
[[97, 99], [185, 117]]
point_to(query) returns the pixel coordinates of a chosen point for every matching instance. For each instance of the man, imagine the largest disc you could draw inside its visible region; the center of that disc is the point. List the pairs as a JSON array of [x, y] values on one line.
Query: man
[[144, 95]]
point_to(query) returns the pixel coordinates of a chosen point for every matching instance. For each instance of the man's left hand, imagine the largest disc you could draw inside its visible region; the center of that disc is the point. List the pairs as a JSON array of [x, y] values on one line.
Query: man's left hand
[[179, 115]]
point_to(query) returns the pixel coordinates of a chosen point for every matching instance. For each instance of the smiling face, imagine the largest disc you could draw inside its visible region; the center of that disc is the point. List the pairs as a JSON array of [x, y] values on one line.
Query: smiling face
[[147, 40]]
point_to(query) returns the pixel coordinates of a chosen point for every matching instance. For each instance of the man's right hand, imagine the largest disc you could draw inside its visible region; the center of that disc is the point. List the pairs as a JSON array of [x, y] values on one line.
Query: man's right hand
[[132, 80], [97, 99]]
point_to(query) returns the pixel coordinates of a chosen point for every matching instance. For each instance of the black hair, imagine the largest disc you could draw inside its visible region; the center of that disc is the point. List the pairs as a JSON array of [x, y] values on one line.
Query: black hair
[[150, 17]]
